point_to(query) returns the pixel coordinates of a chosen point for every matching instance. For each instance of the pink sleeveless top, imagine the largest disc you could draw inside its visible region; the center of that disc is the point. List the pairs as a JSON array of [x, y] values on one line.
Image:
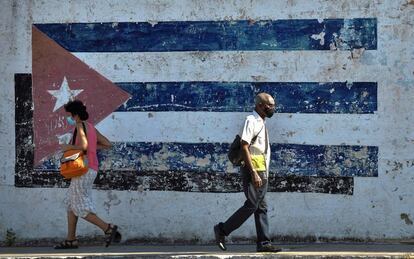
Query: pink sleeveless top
[[92, 146]]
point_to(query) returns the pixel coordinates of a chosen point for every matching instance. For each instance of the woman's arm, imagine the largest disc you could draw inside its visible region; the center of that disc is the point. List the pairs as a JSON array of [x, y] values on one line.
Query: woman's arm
[[103, 142], [83, 141]]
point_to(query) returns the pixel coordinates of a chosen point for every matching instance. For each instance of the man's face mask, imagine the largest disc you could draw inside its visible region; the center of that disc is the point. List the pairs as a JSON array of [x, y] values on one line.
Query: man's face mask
[[269, 110]]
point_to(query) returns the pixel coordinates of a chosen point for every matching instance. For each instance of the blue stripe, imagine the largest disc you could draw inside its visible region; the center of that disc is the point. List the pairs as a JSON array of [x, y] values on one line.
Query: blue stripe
[[286, 159], [303, 97], [180, 181], [294, 34]]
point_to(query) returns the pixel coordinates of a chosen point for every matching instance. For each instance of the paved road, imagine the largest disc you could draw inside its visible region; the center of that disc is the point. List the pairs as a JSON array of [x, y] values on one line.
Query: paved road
[[234, 251]]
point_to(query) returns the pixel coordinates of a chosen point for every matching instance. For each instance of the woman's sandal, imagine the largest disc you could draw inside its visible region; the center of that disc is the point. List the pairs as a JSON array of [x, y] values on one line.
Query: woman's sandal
[[118, 237], [112, 235], [67, 244]]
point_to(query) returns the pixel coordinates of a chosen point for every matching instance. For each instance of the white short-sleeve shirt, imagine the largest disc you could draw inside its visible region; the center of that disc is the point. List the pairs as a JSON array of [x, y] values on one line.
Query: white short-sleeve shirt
[[255, 125]]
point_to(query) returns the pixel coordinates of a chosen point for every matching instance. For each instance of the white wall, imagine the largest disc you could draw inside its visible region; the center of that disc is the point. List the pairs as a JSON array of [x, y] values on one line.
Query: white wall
[[372, 212]]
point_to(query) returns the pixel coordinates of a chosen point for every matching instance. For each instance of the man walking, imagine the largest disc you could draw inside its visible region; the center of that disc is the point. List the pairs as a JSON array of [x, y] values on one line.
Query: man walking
[[255, 170]]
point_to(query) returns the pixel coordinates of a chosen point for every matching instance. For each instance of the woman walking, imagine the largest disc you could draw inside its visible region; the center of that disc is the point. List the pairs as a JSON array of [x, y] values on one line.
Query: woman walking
[[78, 200]]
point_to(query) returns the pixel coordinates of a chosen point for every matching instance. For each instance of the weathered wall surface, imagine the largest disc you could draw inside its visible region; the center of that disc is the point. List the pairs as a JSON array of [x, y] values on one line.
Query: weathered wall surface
[[342, 141]]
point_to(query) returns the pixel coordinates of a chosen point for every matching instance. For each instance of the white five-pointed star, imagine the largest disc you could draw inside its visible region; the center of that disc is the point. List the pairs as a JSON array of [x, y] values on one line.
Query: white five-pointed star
[[64, 94]]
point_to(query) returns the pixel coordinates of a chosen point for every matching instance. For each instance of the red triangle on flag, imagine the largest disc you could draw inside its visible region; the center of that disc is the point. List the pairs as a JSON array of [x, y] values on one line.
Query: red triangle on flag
[[58, 74]]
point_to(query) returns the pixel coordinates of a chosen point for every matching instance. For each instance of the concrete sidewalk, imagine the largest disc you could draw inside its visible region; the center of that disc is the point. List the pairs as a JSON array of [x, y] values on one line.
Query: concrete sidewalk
[[313, 250]]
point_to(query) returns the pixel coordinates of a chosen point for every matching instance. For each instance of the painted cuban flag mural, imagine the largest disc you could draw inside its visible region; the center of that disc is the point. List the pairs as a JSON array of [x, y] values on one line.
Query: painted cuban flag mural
[[174, 135]]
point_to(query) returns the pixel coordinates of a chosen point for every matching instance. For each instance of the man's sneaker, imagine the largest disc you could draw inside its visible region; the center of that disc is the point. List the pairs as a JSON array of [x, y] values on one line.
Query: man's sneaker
[[268, 249], [220, 238]]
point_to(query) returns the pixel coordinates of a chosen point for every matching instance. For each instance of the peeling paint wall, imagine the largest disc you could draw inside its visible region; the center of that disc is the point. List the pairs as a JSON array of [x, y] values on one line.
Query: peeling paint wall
[[342, 160]]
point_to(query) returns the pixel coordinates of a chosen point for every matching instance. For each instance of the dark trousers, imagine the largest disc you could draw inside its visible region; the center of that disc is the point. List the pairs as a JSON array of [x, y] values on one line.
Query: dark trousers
[[255, 204]]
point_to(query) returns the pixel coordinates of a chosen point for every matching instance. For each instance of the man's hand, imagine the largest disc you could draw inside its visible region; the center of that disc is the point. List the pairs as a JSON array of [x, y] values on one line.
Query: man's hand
[[256, 180]]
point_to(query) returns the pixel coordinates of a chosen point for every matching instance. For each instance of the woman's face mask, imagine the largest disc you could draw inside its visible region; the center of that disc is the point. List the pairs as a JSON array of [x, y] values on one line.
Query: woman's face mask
[[71, 121]]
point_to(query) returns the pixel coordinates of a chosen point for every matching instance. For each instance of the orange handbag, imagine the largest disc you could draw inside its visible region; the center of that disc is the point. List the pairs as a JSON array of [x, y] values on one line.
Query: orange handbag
[[73, 163]]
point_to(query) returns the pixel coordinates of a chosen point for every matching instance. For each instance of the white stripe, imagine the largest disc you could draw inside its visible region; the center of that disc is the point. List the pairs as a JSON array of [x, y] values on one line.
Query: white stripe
[[195, 127], [206, 10], [279, 66]]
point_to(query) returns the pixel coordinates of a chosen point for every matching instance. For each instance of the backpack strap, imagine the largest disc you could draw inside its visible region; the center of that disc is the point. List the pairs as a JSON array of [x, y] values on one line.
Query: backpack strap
[[255, 137], [75, 132], [266, 140]]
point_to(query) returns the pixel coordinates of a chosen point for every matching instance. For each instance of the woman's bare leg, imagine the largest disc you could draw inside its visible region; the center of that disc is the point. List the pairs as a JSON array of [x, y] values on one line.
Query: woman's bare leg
[[97, 221], [72, 222]]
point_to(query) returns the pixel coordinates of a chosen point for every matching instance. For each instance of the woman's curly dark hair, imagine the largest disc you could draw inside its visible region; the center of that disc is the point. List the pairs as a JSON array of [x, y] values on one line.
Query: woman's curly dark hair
[[76, 107]]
